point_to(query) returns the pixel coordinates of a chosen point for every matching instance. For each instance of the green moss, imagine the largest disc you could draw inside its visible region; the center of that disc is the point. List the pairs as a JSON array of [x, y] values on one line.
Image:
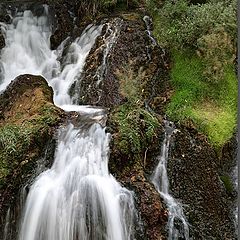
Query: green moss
[[227, 183], [188, 82], [136, 128], [213, 107]]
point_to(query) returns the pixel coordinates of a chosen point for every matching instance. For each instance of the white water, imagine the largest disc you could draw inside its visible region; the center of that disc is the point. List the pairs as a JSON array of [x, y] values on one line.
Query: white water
[[161, 183], [27, 47], [77, 198], [28, 51], [110, 37]]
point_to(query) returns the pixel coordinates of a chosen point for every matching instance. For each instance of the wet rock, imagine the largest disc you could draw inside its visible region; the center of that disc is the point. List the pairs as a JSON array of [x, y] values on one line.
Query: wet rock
[[194, 181], [126, 73], [2, 41], [124, 46], [28, 122], [63, 25]]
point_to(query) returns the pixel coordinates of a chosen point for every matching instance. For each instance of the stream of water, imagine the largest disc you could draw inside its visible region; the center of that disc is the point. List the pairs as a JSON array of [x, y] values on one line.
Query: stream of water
[[77, 198], [161, 183]]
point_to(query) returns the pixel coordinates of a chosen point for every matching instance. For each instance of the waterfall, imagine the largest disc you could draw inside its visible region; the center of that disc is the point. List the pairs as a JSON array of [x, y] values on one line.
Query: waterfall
[[161, 183], [27, 47], [77, 198]]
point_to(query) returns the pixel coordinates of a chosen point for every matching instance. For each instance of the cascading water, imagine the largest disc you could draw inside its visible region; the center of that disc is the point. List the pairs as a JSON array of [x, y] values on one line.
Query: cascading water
[[73, 64], [161, 183], [27, 47], [77, 198], [112, 33]]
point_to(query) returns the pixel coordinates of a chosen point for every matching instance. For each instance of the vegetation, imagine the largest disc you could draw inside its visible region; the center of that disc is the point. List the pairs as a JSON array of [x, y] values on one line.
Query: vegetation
[[137, 127], [19, 142], [227, 181], [93, 7], [202, 41], [27, 123]]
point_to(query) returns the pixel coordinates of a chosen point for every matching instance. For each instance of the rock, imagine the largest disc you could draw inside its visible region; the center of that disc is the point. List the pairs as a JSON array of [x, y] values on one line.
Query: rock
[[125, 72], [193, 169], [28, 122], [63, 25], [124, 47], [2, 41]]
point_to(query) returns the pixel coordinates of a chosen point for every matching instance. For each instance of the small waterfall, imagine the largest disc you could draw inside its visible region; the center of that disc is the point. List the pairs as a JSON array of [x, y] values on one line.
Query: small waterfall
[[161, 183], [109, 39], [27, 47], [148, 23], [77, 198], [73, 64]]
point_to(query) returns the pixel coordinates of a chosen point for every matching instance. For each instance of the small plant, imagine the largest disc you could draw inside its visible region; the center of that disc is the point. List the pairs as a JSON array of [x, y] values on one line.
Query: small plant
[[136, 126], [131, 83], [14, 139]]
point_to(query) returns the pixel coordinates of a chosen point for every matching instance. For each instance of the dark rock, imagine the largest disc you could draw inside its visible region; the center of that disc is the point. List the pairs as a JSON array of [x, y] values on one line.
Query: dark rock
[[194, 181], [2, 41], [128, 48], [63, 25]]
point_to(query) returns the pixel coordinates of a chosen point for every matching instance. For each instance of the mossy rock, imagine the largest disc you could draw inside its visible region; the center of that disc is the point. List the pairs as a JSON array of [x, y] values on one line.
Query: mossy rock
[[28, 123]]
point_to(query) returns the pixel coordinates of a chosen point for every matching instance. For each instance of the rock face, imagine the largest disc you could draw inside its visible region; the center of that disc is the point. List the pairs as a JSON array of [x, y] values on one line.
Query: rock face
[[28, 122], [193, 168], [127, 72], [123, 51]]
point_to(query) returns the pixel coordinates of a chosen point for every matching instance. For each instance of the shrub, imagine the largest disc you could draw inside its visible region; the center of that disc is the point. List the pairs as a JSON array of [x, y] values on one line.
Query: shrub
[[178, 24], [137, 128], [218, 51]]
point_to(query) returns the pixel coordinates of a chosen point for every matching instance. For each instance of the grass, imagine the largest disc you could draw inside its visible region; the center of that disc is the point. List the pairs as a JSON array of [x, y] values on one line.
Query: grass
[[187, 80], [13, 138], [211, 106], [137, 128]]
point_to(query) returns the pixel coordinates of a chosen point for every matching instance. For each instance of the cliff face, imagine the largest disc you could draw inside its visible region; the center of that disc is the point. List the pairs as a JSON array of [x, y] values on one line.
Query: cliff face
[[196, 180]]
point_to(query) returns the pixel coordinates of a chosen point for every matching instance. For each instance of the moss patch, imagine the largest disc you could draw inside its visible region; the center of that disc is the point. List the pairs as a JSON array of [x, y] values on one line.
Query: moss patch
[[28, 121], [137, 128], [211, 106], [227, 181]]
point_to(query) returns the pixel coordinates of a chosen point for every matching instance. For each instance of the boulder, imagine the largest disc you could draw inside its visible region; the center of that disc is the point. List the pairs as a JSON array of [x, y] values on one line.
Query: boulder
[[28, 122]]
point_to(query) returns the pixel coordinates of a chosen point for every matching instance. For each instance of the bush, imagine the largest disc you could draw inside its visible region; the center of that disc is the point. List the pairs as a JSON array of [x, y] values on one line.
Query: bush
[[178, 24], [202, 39], [218, 51]]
